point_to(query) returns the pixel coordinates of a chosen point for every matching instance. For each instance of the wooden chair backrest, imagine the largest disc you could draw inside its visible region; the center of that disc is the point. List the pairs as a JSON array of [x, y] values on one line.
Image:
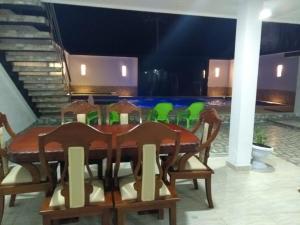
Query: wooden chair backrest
[[209, 123], [148, 138], [75, 139], [123, 107], [4, 126], [80, 107]]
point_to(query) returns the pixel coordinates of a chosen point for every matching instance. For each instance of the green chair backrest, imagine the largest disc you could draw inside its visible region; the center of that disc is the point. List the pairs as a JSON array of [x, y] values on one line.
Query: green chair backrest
[[163, 109], [195, 109]]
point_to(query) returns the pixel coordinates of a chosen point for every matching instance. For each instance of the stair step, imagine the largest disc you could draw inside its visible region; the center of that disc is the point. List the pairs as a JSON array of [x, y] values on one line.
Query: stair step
[[26, 45], [64, 99], [49, 119], [41, 79], [50, 105], [32, 56], [22, 31], [40, 73], [22, 2], [36, 69], [45, 87], [38, 93], [8, 16]]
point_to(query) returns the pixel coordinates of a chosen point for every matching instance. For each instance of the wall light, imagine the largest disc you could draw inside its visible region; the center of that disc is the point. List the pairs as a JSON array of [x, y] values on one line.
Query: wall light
[[204, 73], [83, 69], [217, 72], [279, 70], [124, 71], [265, 14]]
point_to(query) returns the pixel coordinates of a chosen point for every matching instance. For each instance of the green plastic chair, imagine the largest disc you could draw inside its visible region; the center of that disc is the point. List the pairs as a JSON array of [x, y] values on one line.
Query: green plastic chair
[[114, 117], [161, 112], [92, 118], [191, 113]]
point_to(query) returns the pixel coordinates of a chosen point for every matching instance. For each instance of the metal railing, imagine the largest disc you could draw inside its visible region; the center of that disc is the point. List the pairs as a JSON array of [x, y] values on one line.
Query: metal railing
[[57, 41]]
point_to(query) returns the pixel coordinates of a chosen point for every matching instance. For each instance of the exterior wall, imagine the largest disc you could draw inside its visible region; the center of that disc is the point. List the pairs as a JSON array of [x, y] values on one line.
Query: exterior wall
[[103, 75], [12, 103], [269, 86], [219, 86]]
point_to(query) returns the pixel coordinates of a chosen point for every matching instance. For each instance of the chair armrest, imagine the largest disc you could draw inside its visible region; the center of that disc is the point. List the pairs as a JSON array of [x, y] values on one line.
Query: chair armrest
[[33, 170]]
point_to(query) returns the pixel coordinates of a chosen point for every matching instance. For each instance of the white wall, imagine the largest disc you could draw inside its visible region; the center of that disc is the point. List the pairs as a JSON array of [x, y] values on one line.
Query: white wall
[[103, 70], [267, 79], [19, 114], [267, 72], [225, 70]]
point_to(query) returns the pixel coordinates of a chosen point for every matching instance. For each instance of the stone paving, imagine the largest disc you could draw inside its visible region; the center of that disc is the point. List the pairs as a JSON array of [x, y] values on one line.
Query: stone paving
[[285, 141]]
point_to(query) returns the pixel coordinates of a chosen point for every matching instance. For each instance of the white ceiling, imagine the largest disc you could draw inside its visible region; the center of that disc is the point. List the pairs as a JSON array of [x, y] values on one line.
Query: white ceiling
[[285, 11]]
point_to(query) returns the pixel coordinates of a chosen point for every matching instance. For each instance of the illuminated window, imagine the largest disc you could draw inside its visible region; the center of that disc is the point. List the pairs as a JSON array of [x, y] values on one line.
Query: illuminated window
[[279, 70], [124, 70], [83, 69], [217, 72]]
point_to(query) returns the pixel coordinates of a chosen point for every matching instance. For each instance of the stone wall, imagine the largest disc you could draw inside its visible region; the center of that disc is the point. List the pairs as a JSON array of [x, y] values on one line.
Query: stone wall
[[104, 90]]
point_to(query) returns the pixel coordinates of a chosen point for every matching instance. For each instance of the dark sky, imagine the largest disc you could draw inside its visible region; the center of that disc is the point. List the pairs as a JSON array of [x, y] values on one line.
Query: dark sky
[[98, 31]]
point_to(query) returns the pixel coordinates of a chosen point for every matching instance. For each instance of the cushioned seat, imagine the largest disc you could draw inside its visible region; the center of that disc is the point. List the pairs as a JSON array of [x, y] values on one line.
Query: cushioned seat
[[96, 196], [94, 170], [193, 163], [18, 174], [129, 193]]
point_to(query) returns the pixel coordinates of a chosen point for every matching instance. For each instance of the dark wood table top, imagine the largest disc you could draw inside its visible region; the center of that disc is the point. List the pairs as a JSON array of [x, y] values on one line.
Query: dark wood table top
[[24, 147]]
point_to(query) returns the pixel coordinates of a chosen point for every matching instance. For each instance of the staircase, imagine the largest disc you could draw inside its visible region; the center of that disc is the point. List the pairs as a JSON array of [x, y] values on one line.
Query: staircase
[[33, 55]]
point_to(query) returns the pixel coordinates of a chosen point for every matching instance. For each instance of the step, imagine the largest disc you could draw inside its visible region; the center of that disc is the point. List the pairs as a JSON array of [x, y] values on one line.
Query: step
[[38, 93], [22, 31], [45, 87], [41, 79], [35, 69], [64, 99], [40, 73], [26, 45], [8, 16], [50, 105], [32, 56], [50, 111], [22, 2]]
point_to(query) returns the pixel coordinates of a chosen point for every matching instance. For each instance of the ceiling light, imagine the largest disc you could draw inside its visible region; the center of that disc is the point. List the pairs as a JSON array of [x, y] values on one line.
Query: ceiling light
[[265, 14]]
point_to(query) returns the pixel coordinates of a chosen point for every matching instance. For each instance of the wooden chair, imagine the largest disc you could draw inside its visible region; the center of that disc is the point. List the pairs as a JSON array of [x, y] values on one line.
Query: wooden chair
[[194, 165], [145, 188], [119, 112], [81, 109], [21, 178], [76, 196]]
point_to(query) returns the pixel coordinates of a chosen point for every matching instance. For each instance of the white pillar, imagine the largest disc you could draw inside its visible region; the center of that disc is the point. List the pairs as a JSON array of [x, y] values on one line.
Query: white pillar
[[247, 47], [297, 97]]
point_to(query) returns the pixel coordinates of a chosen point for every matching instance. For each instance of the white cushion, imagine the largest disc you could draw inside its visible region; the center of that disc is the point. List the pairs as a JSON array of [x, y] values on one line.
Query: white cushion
[[18, 174], [124, 119], [129, 193], [96, 196], [194, 163], [94, 170]]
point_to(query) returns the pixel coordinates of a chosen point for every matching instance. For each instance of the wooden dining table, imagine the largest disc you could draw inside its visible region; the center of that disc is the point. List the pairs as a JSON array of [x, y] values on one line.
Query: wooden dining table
[[24, 147]]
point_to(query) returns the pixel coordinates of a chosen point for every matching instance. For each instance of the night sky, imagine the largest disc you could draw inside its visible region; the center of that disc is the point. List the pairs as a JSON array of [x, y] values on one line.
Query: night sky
[[179, 45]]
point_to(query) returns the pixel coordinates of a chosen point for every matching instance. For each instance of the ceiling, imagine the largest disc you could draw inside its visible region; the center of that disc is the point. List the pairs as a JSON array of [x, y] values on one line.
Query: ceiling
[[284, 11]]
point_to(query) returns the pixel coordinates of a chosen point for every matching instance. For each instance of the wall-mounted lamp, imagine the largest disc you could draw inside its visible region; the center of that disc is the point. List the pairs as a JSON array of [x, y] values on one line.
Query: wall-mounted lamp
[[265, 14], [203, 73], [279, 70], [124, 71], [217, 72], [83, 69]]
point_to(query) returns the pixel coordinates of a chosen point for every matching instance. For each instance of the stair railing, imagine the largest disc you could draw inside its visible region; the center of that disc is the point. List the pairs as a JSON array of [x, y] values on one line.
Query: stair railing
[[57, 41]]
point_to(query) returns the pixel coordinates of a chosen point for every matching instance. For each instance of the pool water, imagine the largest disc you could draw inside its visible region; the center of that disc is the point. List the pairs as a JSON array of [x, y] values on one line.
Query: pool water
[[178, 102]]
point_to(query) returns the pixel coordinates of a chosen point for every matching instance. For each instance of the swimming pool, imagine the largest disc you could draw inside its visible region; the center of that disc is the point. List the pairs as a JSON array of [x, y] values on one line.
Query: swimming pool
[[178, 102]]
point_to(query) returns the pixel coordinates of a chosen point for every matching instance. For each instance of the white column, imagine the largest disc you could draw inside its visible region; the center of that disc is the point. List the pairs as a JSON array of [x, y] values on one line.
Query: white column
[[297, 97], [247, 47]]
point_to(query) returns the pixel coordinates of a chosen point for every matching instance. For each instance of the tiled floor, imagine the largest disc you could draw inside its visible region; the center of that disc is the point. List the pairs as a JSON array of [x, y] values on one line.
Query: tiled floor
[[241, 198]]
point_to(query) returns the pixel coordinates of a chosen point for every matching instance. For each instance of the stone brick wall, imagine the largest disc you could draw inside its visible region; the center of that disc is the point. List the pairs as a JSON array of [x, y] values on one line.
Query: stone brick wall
[[105, 90]]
